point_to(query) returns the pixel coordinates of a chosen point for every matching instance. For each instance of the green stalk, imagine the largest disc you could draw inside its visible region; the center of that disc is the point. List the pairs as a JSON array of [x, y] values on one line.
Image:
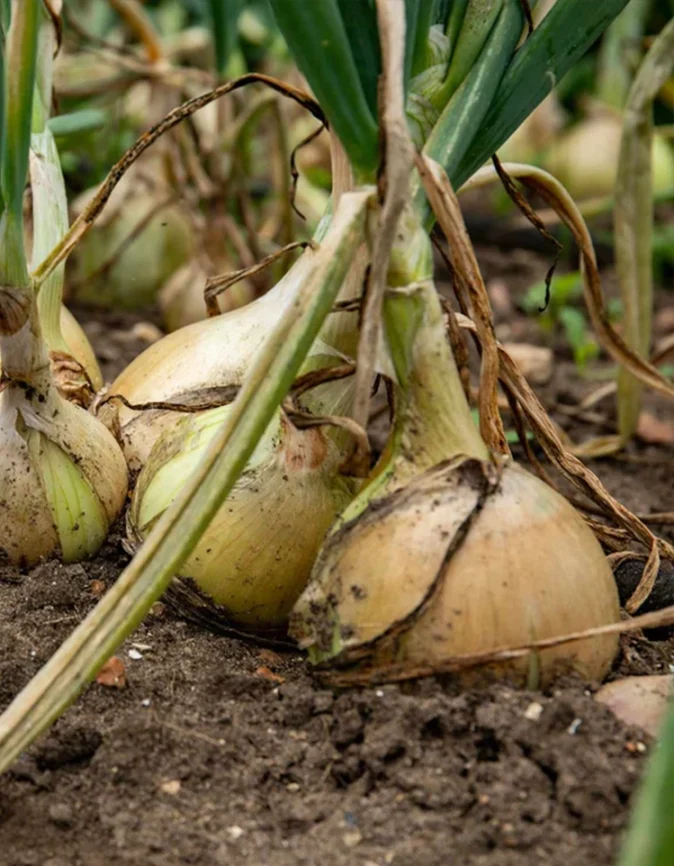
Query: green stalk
[[224, 24], [20, 65], [360, 22], [319, 43], [272, 373], [633, 220], [555, 46], [478, 21], [650, 840], [50, 205], [433, 421], [457, 13], [5, 15], [418, 49], [620, 53], [463, 116]]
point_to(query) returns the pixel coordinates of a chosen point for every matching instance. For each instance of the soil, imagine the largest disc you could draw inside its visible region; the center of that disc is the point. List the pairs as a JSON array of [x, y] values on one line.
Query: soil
[[217, 751]]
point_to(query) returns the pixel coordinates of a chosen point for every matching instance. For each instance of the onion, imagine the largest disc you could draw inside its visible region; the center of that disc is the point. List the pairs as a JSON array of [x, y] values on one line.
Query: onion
[[254, 558], [585, 159], [62, 474], [145, 263], [444, 553], [166, 371], [224, 346], [529, 568]]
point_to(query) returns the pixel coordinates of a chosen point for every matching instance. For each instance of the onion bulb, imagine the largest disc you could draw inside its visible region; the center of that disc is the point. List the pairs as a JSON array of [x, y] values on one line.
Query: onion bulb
[[62, 475], [585, 159], [138, 268], [445, 552], [400, 585], [254, 558], [193, 365]]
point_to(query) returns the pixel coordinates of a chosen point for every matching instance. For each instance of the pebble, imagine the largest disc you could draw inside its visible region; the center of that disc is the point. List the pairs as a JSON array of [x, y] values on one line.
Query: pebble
[[352, 838], [61, 814], [235, 832], [172, 786], [135, 654], [534, 711], [638, 701]]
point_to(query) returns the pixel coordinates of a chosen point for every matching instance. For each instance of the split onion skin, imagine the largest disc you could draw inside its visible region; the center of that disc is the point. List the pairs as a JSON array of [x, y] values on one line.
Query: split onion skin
[[388, 588]]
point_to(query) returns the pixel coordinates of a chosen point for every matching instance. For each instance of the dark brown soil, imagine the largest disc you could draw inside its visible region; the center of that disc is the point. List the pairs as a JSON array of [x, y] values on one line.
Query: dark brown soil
[[218, 752]]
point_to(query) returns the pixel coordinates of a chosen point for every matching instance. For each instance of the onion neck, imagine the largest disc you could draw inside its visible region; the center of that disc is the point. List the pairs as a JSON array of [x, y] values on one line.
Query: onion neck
[[24, 354], [340, 330], [433, 419]]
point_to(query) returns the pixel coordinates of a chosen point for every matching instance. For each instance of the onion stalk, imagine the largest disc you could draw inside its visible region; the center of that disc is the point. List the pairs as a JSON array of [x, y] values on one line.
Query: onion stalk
[[73, 361], [62, 474]]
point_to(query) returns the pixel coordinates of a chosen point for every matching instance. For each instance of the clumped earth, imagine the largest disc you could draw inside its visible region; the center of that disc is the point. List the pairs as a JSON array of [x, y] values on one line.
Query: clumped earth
[[217, 751]]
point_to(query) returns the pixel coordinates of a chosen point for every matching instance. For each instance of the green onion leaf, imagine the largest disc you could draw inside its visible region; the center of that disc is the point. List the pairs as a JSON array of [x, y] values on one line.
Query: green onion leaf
[[76, 122], [21, 61], [318, 40], [224, 24], [464, 115], [555, 46], [418, 50], [360, 23]]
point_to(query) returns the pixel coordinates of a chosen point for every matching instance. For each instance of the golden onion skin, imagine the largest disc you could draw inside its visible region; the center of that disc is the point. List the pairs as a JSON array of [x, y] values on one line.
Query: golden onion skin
[[439, 569], [186, 365]]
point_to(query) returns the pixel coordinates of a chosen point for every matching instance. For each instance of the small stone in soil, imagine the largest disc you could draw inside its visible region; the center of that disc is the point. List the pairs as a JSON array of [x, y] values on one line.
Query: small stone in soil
[[534, 711], [61, 814]]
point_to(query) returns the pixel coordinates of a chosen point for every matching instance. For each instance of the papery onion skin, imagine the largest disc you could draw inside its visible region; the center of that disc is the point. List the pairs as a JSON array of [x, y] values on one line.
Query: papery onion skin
[[528, 568], [189, 364], [255, 557]]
